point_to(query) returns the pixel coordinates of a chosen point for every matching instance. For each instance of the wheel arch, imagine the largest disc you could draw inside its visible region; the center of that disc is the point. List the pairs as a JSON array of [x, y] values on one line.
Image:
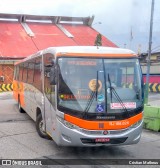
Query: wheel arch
[[38, 112]]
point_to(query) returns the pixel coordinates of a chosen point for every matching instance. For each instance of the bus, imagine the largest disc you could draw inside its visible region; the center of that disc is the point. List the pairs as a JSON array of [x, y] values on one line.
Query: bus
[[82, 95]]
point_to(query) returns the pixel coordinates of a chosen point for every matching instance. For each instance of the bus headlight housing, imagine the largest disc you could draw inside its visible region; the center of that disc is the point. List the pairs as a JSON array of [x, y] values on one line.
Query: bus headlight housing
[[67, 124], [136, 124]]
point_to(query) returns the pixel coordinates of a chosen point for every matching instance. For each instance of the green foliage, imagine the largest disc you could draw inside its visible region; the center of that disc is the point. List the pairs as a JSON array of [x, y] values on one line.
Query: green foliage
[[98, 41]]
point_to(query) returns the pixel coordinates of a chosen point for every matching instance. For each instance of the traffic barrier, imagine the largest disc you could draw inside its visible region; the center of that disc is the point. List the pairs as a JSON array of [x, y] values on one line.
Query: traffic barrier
[[153, 87], [6, 87], [151, 118]]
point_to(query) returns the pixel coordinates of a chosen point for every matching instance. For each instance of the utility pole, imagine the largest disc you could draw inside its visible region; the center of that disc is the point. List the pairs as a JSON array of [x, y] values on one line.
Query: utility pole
[[131, 37], [149, 54]]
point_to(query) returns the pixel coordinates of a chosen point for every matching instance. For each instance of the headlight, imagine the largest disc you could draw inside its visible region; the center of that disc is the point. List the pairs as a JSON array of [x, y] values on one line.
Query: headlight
[[67, 124], [136, 124]]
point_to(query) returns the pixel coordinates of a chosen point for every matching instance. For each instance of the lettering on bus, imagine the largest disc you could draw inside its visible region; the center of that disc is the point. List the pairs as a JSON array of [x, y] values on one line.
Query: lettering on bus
[[118, 123], [82, 63], [74, 97]]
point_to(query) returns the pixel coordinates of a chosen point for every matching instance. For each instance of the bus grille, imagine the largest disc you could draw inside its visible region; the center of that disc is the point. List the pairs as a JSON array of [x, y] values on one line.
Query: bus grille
[[97, 132]]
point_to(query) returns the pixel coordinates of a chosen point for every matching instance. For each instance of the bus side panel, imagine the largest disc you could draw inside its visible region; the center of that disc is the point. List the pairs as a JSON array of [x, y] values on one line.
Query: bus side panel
[[26, 96], [21, 95], [32, 100], [18, 92], [50, 115], [15, 90]]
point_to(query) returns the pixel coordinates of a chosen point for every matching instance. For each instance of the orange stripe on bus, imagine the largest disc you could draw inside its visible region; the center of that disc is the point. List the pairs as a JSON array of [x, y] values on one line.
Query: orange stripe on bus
[[15, 88], [22, 94], [103, 125], [108, 55], [18, 89]]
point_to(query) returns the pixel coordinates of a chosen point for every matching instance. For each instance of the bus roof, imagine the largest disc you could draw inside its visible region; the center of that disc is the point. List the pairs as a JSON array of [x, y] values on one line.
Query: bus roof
[[90, 50], [85, 51]]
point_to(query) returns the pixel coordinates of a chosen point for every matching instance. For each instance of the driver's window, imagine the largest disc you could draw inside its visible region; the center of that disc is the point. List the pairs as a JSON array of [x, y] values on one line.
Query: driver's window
[[48, 89]]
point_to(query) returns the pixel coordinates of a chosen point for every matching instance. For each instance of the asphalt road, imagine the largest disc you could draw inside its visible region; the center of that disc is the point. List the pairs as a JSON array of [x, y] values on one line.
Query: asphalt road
[[19, 140]]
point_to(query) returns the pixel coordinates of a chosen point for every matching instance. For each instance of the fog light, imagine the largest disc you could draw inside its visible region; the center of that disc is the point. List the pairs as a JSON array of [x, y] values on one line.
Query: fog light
[[66, 138]]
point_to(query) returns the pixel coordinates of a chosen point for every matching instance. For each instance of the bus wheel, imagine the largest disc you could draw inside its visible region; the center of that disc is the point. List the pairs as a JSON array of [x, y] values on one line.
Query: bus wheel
[[40, 127], [19, 107]]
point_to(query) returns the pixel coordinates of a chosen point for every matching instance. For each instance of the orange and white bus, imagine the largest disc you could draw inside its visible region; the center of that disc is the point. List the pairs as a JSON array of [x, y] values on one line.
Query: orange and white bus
[[82, 96]]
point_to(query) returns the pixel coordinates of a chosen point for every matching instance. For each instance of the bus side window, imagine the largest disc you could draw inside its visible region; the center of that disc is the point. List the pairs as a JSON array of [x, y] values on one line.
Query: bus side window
[[25, 69], [37, 73], [17, 73], [30, 71], [48, 89], [21, 72]]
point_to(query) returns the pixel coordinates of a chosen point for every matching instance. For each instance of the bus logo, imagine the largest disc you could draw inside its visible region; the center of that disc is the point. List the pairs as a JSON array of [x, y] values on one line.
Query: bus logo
[[105, 132]]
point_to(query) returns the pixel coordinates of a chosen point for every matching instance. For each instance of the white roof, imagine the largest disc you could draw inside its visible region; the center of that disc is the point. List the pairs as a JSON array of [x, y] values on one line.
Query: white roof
[[90, 49], [83, 49]]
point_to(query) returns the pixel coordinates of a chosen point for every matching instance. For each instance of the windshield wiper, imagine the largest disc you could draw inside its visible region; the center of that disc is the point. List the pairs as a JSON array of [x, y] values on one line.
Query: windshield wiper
[[89, 103], [92, 96], [97, 86], [110, 86], [112, 90]]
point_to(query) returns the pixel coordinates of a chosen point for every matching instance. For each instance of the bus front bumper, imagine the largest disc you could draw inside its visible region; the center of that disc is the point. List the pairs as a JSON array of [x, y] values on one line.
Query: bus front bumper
[[74, 137]]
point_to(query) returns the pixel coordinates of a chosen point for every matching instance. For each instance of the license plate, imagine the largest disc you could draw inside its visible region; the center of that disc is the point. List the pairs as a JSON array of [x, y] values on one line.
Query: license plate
[[102, 140]]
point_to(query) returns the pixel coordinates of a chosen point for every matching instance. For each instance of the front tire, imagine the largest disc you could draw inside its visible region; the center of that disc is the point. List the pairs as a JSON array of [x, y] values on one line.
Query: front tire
[[40, 128]]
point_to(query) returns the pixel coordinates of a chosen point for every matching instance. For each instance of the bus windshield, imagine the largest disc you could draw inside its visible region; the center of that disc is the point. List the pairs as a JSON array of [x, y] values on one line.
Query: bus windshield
[[102, 86]]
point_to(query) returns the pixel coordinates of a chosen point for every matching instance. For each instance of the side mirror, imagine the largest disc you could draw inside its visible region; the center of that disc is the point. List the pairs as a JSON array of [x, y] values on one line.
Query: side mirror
[[53, 76]]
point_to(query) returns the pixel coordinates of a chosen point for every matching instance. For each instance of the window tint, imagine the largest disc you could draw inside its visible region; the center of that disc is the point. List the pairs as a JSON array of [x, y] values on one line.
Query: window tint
[[15, 72], [48, 89], [21, 72], [25, 72], [30, 73], [37, 73]]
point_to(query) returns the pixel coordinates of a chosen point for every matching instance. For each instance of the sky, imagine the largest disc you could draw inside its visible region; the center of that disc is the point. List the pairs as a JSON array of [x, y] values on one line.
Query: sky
[[124, 22]]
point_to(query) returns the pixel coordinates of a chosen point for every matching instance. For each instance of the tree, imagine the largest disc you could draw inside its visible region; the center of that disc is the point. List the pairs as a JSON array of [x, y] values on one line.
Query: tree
[[98, 41]]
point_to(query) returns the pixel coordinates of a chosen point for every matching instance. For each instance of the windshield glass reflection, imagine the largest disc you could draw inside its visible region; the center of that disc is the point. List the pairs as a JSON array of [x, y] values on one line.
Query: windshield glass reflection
[[85, 85]]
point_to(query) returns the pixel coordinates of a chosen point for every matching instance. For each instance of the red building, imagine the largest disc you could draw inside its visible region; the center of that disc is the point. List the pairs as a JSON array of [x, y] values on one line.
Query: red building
[[23, 35]]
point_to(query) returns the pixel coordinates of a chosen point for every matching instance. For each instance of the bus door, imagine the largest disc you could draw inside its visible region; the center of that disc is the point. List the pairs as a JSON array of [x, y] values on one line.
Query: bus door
[[49, 95]]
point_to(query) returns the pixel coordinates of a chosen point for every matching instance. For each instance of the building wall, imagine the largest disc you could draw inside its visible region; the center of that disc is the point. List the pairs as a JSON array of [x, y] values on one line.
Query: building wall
[[154, 72], [154, 68], [6, 71]]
